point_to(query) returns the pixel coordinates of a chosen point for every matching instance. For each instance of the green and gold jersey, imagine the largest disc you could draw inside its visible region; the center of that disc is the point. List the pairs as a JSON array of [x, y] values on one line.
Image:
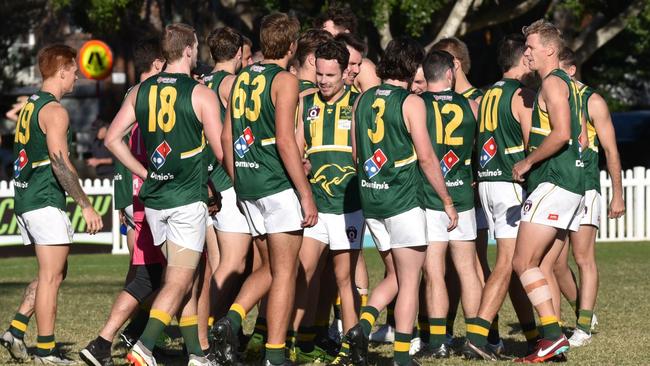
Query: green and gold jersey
[[472, 93], [122, 183], [328, 143], [34, 181], [389, 176], [259, 171], [565, 167], [216, 172], [452, 128], [590, 155], [306, 85], [500, 142], [173, 138]]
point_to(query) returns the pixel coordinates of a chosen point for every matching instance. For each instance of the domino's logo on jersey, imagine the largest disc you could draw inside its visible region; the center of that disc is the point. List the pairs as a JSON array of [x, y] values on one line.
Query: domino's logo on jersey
[[244, 142], [20, 163], [449, 160], [159, 155], [488, 152], [373, 165]]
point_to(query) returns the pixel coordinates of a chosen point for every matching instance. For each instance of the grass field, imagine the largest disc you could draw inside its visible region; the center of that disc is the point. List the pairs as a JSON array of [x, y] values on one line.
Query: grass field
[[93, 281]]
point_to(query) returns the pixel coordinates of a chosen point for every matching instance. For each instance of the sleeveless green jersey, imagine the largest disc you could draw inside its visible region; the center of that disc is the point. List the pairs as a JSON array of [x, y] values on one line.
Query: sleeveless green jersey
[[259, 171], [472, 93], [35, 185], [500, 142], [306, 85], [452, 126], [216, 172], [389, 177], [333, 178], [173, 138], [565, 167], [590, 155], [122, 184]]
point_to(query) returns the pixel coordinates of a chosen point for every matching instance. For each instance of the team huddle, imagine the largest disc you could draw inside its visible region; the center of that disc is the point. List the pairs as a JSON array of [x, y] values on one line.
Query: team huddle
[[253, 185]]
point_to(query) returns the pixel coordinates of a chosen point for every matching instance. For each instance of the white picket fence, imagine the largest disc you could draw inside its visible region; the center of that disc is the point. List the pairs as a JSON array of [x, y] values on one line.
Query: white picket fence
[[634, 226]]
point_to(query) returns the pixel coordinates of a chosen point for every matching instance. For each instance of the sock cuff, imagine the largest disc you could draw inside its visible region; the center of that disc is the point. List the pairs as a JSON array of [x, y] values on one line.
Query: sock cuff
[[546, 320], [403, 337], [369, 314], [160, 315], [21, 326], [21, 318], [274, 346], [188, 321], [45, 342], [210, 321], [481, 322], [239, 310]]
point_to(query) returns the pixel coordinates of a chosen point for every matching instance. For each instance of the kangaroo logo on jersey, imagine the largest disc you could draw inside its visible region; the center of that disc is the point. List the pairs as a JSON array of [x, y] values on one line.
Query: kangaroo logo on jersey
[[332, 174], [20, 163], [159, 155], [244, 142], [373, 165], [448, 161], [488, 152]]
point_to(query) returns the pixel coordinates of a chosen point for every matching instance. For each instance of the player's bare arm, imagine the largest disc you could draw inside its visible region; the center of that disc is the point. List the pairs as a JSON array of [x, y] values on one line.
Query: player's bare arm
[[205, 104], [554, 96], [414, 115], [54, 122], [284, 93], [367, 77], [226, 140], [599, 114], [522, 109], [224, 89], [120, 127], [475, 106]]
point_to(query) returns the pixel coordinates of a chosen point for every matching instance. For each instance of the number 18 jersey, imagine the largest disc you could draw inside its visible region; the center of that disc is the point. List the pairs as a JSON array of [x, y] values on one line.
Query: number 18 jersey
[[259, 171], [174, 141]]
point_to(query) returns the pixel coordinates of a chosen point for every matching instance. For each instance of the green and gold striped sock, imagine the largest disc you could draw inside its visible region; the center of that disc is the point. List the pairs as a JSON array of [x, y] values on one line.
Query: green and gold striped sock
[[158, 320], [401, 348], [45, 345], [189, 328], [18, 325], [584, 320], [437, 331], [367, 319], [236, 315], [550, 327], [477, 331]]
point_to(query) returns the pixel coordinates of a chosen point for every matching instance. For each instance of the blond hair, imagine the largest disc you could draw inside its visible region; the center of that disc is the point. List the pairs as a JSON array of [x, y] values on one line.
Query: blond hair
[[547, 31]]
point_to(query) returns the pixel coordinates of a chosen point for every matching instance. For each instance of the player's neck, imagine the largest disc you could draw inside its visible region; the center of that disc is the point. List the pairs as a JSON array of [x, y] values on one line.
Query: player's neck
[[227, 66], [462, 84], [546, 69], [146, 75], [50, 86], [333, 97], [304, 73], [398, 83], [514, 73], [282, 62], [438, 86], [178, 67]]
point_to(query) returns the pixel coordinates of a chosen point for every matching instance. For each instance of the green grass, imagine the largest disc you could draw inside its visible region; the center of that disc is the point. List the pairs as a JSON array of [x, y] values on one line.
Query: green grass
[[93, 281]]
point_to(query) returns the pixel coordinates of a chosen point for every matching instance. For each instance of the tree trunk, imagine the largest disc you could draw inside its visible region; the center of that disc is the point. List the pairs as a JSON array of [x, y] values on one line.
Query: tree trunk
[[451, 26]]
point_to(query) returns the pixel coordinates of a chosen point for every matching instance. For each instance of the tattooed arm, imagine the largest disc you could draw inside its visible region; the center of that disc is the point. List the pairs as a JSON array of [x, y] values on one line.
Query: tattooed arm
[[54, 122]]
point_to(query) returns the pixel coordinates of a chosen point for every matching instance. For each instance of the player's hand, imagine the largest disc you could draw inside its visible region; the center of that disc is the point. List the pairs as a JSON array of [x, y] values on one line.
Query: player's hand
[[214, 203], [616, 207], [306, 166], [450, 210], [93, 162], [309, 211], [520, 169], [93, 220]]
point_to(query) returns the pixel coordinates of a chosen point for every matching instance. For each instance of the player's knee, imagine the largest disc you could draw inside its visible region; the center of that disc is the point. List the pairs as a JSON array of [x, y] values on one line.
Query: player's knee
[[585, 262], [519, 265], [50, 278]]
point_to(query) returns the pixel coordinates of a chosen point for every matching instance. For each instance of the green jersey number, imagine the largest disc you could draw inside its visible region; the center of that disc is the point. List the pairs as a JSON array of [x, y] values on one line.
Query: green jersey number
[[239, 107], [166, 116], [22, 125], [451, 126], [489, 109]]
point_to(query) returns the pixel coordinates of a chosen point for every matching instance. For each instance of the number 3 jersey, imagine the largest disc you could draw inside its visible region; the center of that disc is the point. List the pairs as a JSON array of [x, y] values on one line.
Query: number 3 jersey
[[34, 181], [452, 127], [329, 148], [389, 176], [259, 171], [174, 141]]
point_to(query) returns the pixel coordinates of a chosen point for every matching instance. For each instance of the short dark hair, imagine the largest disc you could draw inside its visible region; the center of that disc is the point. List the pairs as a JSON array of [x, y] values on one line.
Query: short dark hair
[[568, 57], [277, 32], [351, 40], [341, 15], [511, 49], [334, 50], [309, 42], [401, 59], [224, 43], [458, 49], [53, 57], [436, 65], [176, 37], [145, 52]]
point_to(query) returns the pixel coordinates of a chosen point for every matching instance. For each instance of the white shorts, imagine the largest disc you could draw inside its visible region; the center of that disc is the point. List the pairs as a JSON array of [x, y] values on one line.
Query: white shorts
[[502, 204], [339, 231], [128, 217], [230, 219], [45, 226], [481, 220], [277, 213], [554, 206], [407, 229], [591, 212], [183, 225], [437, 222]]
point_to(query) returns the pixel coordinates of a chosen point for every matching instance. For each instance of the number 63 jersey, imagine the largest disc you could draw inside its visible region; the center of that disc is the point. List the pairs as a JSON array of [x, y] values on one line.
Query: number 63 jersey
[[174, 141], [259, 171]]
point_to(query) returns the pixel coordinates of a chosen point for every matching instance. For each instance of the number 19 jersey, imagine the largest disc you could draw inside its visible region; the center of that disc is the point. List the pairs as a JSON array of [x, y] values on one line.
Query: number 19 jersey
[[174, 141], [259, 171]]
